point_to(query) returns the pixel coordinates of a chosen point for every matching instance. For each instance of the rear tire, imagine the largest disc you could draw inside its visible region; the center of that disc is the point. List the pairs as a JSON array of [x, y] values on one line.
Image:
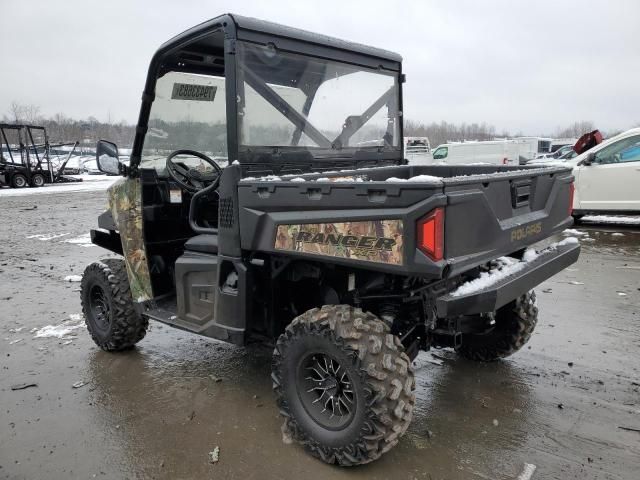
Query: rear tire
[[19, 181], [37, 180], [345, 361], [514, 325], [110, 316]]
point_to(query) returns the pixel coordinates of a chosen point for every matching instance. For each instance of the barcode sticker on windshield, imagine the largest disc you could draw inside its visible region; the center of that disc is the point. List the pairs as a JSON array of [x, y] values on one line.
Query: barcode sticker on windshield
[[189, 91]]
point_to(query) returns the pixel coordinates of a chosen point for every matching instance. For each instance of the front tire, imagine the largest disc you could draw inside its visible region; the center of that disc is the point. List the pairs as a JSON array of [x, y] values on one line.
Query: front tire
[[514, 324], [110, 316], [343, 384]]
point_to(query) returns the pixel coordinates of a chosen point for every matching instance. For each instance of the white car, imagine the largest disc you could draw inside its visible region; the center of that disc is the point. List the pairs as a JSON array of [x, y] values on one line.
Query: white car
[[608, 176], [91, 167]]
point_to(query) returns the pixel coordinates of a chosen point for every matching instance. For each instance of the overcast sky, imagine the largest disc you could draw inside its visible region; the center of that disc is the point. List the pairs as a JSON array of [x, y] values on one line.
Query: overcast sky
[[521, 66]]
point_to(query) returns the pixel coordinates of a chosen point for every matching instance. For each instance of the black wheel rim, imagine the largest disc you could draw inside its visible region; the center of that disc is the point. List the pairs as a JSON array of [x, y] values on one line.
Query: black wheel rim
[[326, 391], [99, 306], [38, 181]]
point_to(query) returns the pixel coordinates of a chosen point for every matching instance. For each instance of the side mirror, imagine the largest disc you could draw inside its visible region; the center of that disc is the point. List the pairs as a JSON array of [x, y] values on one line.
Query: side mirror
[[107, 157], [589, 160]]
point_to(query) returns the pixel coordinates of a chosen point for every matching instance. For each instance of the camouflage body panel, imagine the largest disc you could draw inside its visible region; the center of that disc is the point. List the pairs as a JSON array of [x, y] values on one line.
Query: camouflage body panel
[[374, 241], [125, 204]]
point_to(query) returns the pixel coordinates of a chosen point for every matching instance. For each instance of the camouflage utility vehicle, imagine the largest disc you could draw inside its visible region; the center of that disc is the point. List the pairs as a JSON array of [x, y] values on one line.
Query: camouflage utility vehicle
[[267, 200]]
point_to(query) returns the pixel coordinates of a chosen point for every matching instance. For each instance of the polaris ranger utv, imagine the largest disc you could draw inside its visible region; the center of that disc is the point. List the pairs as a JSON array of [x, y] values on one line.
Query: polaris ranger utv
[[267, 200]]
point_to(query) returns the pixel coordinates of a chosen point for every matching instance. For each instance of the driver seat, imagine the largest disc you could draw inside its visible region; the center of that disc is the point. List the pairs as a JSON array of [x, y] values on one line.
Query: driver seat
[[203, 243]]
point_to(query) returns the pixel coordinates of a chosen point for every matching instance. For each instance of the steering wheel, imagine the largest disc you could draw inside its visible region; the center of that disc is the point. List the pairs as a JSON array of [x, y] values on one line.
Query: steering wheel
[[192, 179]]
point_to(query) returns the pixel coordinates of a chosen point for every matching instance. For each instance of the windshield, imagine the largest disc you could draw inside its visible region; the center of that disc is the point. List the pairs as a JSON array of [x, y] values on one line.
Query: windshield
[[290, 100], [188, 112], [441, 152]]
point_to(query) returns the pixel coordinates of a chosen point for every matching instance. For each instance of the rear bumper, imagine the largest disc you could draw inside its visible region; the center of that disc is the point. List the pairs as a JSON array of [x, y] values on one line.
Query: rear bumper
[[504, 291]]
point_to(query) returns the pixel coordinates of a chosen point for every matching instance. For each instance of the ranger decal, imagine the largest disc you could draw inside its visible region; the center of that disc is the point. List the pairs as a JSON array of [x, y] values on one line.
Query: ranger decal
[[375, 240]]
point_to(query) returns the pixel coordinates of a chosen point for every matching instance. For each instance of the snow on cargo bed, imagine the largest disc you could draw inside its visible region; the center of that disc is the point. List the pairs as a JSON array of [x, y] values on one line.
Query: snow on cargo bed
[[413, 174], [504, 267]]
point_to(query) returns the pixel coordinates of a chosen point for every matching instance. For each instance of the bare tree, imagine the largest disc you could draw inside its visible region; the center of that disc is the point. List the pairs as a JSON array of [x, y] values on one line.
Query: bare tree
[[576, 130], [24, 113], [444, 132]]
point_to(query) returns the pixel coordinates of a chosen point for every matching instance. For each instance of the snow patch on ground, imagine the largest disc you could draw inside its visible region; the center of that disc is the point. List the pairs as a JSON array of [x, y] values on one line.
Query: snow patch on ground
[[528, 471], [81, 241], [571, 231], [73, 278], [63, 330], [617, 219], [45, 237], [504, 267]]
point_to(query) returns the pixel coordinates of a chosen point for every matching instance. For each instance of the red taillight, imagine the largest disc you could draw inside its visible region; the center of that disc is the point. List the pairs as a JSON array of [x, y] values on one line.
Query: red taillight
[[431, 234], [572, 190]]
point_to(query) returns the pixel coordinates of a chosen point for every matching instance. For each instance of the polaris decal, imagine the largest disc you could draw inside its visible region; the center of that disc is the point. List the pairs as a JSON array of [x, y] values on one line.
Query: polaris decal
[[374, 241], [521, 233]]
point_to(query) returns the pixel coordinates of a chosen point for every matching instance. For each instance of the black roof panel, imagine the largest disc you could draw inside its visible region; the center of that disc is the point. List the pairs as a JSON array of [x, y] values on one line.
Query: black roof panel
[[254, 25]]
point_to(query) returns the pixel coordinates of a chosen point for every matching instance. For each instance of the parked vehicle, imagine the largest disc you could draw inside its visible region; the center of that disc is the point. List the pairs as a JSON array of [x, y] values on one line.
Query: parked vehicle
[[417, 149], [26, 160], [514, 151], [74, 166], [91, 167], [527, 148], [558, 143], [495, 152], [559, 153], [608, 176], [344, 259], [553, 159]]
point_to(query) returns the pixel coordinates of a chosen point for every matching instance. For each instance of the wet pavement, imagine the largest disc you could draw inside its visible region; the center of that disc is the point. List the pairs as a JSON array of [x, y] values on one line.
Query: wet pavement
[[569, 403]]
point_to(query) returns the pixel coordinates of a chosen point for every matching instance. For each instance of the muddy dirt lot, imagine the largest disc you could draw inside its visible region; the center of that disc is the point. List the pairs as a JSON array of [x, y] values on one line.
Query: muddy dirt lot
[[568, 404]]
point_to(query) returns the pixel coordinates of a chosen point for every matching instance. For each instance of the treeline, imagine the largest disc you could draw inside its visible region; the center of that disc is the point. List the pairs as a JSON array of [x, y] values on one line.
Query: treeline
[[88, 131], [444, 132], [61, 128]]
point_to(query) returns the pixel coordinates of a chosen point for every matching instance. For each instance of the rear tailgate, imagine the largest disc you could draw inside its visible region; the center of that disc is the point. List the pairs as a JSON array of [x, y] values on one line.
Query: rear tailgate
[[498, 213]]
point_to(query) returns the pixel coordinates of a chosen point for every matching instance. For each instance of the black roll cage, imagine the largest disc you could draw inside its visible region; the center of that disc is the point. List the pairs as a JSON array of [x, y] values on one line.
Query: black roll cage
[[235, 28]]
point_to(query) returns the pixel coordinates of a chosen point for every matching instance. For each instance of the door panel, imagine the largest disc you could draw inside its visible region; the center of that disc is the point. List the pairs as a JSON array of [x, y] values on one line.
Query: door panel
[[612, 181], [614, 186]]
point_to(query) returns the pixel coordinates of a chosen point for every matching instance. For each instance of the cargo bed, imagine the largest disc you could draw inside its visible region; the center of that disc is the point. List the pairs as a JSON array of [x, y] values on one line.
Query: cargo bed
[[489, 211]]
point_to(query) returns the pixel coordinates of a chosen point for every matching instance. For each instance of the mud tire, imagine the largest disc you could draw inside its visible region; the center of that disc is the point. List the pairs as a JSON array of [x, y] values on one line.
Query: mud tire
[[380, 373], [515, 323], [121, 327]]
